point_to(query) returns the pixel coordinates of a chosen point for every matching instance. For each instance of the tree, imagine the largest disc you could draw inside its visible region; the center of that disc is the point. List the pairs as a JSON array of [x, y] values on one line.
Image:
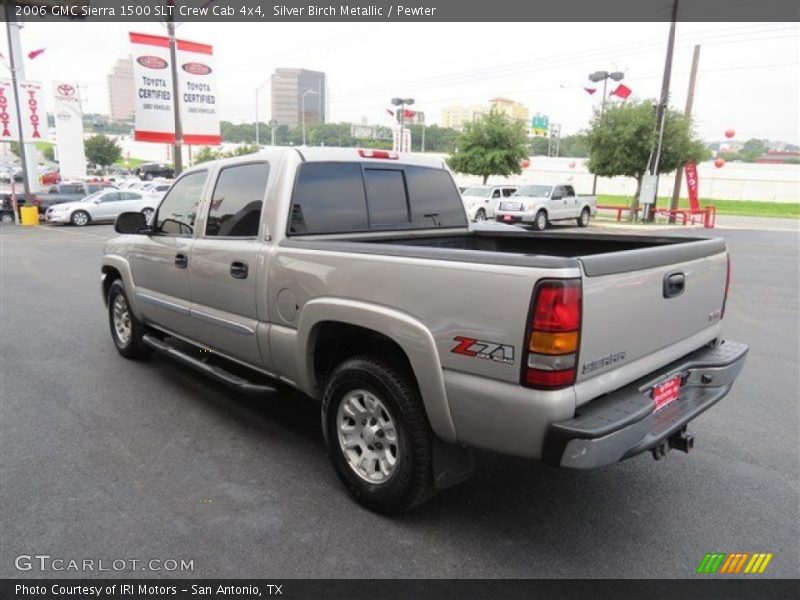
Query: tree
[[752, 149], [102, 150], [206, 154], [620, 142], [494, 144], [49, 153]]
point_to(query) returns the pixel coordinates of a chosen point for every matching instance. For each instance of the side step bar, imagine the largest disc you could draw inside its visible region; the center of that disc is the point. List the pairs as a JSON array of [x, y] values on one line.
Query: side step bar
[[218, 373]]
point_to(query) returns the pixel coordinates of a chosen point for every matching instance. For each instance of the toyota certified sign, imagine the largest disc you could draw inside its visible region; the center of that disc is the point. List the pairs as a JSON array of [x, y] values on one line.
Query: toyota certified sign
[[196, 68], [152, 62], [65, 90]]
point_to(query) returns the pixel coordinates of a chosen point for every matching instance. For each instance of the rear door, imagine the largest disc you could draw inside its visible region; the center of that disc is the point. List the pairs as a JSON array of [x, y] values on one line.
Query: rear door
[[160, 262], [571, 208], [107, 206], [633, 313], [227, 265]]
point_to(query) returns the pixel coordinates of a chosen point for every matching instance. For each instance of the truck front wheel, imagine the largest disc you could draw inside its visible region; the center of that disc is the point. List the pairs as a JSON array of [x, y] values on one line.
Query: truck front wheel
[[540, 222], [126, 330], [378, 436]]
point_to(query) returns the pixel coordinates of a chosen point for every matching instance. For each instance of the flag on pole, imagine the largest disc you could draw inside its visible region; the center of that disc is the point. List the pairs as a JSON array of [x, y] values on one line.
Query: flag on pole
[[34, 53], [622, 91], [590, 91], [391, 112]]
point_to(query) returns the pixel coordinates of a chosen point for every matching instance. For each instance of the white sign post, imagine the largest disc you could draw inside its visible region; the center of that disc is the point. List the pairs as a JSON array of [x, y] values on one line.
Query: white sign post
[[152, 81], [69, 130]]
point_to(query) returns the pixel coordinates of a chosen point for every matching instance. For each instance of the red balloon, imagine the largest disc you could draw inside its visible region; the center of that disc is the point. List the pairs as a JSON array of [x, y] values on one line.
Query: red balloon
[[729, 133], [526, 163], [572, 164], [719, 163]]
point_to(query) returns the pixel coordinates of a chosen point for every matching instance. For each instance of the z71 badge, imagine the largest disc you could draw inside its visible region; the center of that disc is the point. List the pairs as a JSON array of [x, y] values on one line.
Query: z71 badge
[[482, 349]]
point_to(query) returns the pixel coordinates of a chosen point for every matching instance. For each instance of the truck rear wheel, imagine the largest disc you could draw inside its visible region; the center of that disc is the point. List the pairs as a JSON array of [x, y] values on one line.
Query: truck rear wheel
[[126, 329], [378, 436]]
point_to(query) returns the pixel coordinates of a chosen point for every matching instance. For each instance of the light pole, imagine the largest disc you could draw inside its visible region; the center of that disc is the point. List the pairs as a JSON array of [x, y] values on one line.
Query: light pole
[[604, 76], [258, 88], [272, 125], [401, 103], [303, 110]]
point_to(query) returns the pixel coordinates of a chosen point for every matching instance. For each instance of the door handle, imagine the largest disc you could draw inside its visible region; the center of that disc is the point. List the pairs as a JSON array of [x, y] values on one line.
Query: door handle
[[674, 284], [239, 269], [181, 260]]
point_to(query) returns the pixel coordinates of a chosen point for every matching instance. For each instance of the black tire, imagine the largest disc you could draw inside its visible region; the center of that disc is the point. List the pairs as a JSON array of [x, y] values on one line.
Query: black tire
[[134, 346], [7, 217], [411, 481], [583, 220], [80, 218], [148, 177], [480, 215], [540, 221]]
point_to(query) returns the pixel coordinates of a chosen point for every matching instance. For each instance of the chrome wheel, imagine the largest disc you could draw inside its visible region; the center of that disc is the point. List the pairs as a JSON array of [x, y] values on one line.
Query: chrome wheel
[[368, 436], [7, 218], [541, 220], [585, 218], [481, 216], [80, 218], [122, 319]]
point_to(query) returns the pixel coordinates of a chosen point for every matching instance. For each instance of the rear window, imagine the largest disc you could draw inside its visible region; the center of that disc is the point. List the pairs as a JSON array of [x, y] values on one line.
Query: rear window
[[351, 197]]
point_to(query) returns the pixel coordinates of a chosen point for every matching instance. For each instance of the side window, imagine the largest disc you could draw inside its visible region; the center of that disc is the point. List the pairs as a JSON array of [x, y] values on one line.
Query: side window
[[568, 191], [236, 204], [329, 198], [178, 210], [111, 197], [496, 194], [387, 201], [508, 192], [558, 193]]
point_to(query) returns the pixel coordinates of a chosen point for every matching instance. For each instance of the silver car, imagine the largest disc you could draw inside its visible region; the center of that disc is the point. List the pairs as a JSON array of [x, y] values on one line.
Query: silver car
[[102, 206]]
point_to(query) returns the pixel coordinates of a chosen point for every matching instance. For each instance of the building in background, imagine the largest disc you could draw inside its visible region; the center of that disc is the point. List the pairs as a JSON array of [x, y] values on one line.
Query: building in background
[[455, 117], [120, 90], [514, 110], [289, 87]]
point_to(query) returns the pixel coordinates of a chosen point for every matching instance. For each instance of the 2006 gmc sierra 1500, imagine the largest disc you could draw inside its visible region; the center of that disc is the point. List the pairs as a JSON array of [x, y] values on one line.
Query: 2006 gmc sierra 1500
[[353, 275]]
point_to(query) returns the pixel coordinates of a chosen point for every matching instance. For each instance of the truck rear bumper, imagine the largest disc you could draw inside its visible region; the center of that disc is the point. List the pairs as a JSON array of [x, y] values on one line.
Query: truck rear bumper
[[625, 422]]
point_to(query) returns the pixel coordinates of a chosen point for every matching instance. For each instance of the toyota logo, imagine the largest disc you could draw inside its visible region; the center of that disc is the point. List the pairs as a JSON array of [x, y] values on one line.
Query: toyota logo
[[66, 90], [64, 116], [152, 62], [196, 68]]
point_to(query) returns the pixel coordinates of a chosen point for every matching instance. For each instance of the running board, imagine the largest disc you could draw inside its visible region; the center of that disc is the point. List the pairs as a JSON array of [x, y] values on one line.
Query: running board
[[218, 373]]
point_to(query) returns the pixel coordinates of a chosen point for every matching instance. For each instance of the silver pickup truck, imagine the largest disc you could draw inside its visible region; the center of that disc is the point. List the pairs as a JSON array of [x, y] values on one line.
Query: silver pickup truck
[[539, 205], [354, 276]]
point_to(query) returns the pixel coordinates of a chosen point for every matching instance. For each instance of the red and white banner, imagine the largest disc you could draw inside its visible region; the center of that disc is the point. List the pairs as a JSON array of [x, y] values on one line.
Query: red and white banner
[[152, 78], [34, 116], [690, 170], [69, 130]]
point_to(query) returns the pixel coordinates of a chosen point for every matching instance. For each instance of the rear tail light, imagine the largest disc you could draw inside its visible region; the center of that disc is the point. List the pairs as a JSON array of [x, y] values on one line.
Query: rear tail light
[[367, 153], [727, 285], [553, 335]]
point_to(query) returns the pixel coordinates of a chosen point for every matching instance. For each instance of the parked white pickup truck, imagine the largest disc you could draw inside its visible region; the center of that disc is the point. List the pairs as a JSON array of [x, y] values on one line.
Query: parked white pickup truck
[[480, 201], [539, 205], [355, 277]]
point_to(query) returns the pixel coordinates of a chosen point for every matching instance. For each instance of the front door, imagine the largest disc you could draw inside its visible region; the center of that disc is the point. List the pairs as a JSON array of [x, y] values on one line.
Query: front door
[[228, 265], [160, 262], [556, 209]]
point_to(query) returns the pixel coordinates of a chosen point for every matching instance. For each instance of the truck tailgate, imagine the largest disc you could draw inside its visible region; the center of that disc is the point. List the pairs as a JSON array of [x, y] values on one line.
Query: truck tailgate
[[636, 320]]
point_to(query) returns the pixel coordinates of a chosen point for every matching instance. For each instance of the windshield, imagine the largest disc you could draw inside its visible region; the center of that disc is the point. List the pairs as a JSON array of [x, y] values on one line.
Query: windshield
[[534, 191], [92, 197], [480, 191]]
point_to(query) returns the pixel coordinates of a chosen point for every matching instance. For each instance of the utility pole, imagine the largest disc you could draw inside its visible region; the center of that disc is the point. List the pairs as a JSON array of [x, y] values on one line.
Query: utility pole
[[676, 192], [257, 140], [661, 112], [177, 158], [22, 152]]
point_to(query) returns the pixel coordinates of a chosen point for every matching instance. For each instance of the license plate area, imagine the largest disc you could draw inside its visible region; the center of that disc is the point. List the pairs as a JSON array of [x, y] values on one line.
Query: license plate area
[[666, 392]]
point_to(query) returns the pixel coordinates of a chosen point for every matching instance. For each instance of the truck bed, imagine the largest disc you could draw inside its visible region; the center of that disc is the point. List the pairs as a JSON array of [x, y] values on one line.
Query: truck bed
[[600, 254]]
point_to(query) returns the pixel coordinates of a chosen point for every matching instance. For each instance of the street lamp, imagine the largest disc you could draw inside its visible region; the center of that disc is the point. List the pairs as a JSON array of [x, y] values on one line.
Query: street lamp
[[261, 85], [603, 76], [402, 102], [272, 125], [303, 110]]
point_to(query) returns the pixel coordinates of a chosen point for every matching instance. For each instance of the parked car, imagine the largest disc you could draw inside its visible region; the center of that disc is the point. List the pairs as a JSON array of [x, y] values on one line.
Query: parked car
[[539, 205], [6, 205], [68, 192], [149, 171], [50, 176], [101, 206], [355, 277], [481, 201]]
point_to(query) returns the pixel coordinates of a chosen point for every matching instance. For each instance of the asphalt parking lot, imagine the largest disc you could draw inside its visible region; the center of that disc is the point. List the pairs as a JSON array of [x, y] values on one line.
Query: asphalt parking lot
[[101, 457]]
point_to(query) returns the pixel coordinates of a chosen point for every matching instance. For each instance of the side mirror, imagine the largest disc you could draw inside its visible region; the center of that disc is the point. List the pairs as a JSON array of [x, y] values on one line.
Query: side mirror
[[130, 222]]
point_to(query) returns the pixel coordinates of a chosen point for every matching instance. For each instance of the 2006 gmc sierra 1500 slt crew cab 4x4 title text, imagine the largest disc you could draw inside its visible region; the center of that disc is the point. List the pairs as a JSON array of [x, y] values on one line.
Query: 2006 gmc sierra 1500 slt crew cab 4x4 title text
[[355, 277]]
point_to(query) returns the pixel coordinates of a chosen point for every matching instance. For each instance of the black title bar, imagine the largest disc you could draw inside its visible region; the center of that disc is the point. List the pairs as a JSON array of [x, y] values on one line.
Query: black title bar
[[534, 11]]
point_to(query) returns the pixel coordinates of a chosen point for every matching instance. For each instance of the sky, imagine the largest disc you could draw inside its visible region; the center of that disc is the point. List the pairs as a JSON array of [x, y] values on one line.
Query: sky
[[748, 76]]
